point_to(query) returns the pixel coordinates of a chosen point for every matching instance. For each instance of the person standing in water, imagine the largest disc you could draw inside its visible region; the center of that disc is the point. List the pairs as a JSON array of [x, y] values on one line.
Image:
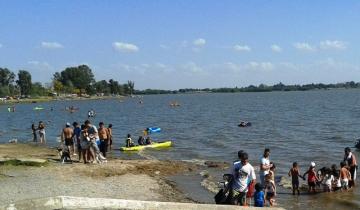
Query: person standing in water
[[350, 158], [110, 135], [104, 138], [41, 128], [33, 128]]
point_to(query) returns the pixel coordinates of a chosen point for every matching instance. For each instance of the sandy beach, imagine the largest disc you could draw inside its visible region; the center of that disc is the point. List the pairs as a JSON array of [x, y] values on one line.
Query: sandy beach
[[122, 179]]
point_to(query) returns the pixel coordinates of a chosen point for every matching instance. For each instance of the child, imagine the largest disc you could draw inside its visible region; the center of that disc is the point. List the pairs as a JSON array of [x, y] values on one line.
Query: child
[[337, 181], [295, 174], [259, 197], [129, 142], [270, 189], [312, 178], [328, 180], [345, 176], [272, 170]]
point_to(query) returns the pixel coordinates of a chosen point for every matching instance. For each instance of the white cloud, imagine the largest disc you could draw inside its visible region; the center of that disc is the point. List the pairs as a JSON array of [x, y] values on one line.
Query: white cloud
[[328, 44], [125, 47], [264, 66], [304, 46], [192, 67], [276, 48], [242, 48], [199, 42], [51, 45]]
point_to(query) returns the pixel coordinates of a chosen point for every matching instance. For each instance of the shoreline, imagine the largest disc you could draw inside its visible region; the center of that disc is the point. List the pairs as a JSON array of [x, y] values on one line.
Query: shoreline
[[50, 99], [119, 179]]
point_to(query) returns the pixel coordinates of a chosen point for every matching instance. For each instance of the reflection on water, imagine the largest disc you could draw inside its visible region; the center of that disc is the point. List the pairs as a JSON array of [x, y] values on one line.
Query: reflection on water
[[296, 126]]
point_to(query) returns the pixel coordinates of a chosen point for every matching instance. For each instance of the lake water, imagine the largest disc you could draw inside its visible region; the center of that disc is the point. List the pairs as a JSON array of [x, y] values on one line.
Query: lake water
[[296, 126]]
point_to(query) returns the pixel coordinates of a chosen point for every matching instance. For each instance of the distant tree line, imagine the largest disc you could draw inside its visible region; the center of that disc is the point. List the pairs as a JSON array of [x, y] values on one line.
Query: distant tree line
[[260, 88], [73, 80]]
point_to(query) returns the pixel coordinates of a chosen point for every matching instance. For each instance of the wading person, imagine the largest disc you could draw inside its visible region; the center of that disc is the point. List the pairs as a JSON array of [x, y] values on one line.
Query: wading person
[[110, 135], [33, 128], [350, 159], [104, 138], [41, 128]]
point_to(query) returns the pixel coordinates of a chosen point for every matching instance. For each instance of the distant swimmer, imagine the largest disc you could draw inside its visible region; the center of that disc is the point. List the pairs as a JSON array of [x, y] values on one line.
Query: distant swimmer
[[91, 113], [244, 124]]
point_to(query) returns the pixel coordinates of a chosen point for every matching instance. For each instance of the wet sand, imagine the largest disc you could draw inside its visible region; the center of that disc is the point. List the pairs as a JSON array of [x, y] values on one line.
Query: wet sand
[[122, 179]]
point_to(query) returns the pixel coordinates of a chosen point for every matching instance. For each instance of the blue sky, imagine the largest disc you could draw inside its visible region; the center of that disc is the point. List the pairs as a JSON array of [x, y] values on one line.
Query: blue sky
[[176, 44]]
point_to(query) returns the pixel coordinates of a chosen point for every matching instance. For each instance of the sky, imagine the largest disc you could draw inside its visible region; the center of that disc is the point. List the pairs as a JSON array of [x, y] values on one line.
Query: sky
[[162, 44]]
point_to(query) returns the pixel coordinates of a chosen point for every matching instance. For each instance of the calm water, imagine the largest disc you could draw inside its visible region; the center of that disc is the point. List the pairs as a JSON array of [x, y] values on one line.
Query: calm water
[[296, 126]]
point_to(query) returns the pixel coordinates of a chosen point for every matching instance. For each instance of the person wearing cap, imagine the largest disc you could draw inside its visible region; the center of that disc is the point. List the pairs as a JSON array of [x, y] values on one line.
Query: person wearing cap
[[312, 177], [67, 136], [350, 159], [244, 176]]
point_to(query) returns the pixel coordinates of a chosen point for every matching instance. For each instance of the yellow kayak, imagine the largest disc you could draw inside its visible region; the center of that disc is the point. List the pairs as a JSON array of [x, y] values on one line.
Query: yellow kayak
[[161, 144]]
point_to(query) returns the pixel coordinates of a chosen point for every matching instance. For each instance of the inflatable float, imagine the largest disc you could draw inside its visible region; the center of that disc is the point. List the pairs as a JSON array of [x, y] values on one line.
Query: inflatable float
[[153, 130], [38, 108], [161, 144]]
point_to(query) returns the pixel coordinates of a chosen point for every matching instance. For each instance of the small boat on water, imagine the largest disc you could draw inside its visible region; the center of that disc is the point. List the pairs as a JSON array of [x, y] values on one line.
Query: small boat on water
[[160, 144], [38, 108]]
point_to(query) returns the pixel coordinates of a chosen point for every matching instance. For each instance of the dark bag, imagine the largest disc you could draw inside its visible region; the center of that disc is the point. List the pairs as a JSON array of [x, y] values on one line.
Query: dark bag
[[220, 197]]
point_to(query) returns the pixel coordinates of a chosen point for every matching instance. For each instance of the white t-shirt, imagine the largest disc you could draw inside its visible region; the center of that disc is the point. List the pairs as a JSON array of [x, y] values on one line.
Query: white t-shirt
[[264, 161], [328, 179], [243, 175]]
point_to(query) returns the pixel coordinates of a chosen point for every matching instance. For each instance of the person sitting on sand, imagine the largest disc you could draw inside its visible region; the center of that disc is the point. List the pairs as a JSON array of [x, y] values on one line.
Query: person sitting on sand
[[295, 174], [129, 142], [312, 177]]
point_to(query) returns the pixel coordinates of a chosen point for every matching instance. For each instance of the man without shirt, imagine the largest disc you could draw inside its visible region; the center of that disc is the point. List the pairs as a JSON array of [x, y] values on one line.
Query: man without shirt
[[244, 176], [67, 136], [104, 138]]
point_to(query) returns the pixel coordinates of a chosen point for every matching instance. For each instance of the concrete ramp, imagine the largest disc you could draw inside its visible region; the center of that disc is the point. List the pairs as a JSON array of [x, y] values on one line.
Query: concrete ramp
[[67, 202]]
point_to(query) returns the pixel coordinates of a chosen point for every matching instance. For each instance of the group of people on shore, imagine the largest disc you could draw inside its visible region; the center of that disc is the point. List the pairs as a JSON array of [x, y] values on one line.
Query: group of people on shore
[[240, 187], [91, 143]]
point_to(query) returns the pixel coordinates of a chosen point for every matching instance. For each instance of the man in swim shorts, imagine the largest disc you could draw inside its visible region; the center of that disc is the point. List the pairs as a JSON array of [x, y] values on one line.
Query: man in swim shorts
[[67, 136]]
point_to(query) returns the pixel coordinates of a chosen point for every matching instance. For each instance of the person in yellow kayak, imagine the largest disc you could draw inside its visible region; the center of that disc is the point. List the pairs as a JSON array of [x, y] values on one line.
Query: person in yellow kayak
[[129, 142]]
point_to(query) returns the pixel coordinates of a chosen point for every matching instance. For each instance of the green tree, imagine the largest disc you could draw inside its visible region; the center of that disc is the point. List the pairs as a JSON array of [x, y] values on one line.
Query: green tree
[[58, 86], [24, 82], [131, 85], [80, 77], [6, 77], [102, 87]]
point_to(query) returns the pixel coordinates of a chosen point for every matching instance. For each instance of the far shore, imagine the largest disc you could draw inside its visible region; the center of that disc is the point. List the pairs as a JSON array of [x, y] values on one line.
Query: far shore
[[58, 98]]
